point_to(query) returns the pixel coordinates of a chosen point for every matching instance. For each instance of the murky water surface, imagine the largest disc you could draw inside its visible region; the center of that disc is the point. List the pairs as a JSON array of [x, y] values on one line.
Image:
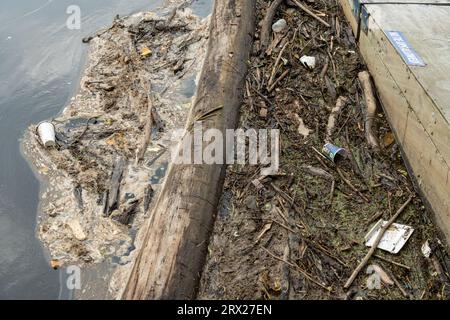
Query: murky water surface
[[40, 64]]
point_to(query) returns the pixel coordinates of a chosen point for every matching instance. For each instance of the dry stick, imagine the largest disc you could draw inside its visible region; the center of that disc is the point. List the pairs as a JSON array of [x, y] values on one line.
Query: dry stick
[[375, 217], [333, 186], [296, 267], [393, 262], [340, 103], [400, 287], [280, 78], [274, 70], [261, 96], [405, 293], [321, 248], [312, 14], [291, 201], [375, 245], [334, 67], [284, 226], [325, 69], [280, 213], [371, 108], [267, 24], [312, 243], [352, 186]]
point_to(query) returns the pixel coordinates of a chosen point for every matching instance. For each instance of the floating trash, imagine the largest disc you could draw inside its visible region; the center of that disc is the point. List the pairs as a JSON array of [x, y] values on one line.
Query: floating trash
[[145, 52], [426, 249], [334, 152], [393, 239], [308, 61], [46, 131]]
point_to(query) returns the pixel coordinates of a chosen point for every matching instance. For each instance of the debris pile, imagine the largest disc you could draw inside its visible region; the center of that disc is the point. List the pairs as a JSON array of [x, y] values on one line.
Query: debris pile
[[111, 140], [301, 234]]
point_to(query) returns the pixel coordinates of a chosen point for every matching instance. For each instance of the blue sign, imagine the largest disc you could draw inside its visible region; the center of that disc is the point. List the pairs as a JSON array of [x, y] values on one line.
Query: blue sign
[[356, 7], [404, 48]]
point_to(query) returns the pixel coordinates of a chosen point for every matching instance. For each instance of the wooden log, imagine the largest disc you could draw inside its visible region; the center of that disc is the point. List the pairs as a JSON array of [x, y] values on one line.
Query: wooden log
[[173, 246]]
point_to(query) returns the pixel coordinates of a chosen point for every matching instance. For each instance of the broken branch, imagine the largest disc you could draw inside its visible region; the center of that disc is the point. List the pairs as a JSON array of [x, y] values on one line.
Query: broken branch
[[341, 102], [312, 14], [296, 267], [371, 108]]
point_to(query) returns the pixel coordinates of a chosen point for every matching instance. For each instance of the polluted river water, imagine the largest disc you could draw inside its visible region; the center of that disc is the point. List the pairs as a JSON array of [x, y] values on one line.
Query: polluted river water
[[42, 60]]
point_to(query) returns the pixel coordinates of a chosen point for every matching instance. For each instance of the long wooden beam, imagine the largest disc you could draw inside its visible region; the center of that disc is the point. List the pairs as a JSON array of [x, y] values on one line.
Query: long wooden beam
[[172, 253]]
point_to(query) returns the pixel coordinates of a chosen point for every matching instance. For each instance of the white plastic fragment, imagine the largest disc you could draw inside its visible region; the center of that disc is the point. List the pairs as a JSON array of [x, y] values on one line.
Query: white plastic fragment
[[308, 61], [393, 239], [426, 249], [46, 131], [279, 26], [373, 282]]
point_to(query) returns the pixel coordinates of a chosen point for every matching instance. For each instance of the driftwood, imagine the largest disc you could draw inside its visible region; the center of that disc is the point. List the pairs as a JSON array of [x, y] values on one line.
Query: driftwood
[[341, 102], [173, 246], [148, 125], [149, 192], [375, 245], [266, 28], [112, 200], [371, 108], [126, 216], [158, 123], [78, 193]]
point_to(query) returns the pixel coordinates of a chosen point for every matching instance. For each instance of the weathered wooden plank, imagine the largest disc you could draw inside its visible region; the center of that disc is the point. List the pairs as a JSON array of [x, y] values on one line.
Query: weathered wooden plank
[[174, 244], [412, 96], [428, 88]]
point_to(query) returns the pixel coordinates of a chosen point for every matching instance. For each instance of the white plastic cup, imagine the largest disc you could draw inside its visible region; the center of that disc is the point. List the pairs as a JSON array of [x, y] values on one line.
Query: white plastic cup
[[46, 131], [309, 62]]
